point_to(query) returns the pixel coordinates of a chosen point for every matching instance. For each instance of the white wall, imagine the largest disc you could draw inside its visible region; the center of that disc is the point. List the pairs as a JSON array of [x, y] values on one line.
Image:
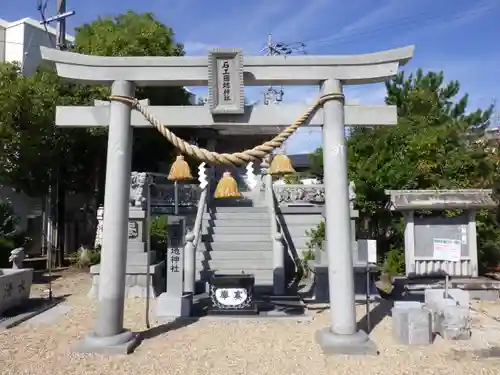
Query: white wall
[[23, 39]]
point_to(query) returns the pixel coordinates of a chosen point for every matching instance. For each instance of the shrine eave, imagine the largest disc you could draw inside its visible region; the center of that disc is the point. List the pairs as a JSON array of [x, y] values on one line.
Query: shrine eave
[[258, 70], [465, 199]]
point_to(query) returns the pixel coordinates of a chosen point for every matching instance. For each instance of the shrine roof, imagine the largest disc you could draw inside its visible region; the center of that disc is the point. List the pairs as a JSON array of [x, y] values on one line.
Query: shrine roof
[[407, 200]]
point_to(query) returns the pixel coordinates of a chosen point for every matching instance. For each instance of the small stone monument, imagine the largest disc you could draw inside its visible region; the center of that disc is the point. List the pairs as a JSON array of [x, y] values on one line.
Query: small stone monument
[[137, 278], [174, 303]]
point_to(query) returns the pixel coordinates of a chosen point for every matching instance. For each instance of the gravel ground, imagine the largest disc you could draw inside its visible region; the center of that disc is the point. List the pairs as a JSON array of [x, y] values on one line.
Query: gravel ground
[[234, 347]]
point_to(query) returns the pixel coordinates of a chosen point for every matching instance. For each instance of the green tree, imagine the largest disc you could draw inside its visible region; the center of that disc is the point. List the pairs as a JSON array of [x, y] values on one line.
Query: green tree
[[132, 34], [432, 147]]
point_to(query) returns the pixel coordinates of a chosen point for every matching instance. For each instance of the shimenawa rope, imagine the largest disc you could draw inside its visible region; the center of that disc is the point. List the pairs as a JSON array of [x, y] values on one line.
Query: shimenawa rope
[[238, 158]]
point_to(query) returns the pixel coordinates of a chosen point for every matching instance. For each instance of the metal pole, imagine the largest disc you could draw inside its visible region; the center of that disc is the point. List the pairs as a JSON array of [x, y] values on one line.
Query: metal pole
[[176, 198], [368, 317], [148, 246], [61, 25]]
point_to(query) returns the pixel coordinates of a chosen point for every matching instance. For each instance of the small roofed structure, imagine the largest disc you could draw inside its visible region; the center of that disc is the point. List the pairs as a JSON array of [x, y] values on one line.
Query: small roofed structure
[[437, 245]]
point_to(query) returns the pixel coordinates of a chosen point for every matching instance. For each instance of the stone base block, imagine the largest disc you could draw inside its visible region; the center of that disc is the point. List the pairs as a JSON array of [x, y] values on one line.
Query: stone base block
[[358, 343], [136, 282], [412, 323], [170, 307], [124, 343]]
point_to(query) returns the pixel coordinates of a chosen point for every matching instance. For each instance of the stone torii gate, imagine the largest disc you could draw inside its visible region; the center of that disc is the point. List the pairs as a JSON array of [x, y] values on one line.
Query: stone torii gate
[[227, 113]]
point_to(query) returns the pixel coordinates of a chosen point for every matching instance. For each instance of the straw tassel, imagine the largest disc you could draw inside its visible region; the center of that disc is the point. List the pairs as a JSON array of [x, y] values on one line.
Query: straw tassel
[[180, 170], [227, 187], [281, 165]]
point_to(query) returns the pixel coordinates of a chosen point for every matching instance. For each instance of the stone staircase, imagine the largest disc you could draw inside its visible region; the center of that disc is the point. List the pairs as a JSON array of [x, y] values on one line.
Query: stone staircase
[[236, 239]]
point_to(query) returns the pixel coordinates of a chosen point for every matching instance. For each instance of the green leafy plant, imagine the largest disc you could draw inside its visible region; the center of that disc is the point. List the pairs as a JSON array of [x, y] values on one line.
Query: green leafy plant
[[316, 238], [10, 235], [394, 263], [159, 232], [85, 258]]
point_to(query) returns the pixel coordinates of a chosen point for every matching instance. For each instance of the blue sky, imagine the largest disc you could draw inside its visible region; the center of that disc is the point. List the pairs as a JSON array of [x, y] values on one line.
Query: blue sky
[[457, 36]]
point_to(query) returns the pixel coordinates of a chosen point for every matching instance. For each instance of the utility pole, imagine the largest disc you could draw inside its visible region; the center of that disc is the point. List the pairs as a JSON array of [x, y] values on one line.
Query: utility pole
[[273, 95], [54, 234]]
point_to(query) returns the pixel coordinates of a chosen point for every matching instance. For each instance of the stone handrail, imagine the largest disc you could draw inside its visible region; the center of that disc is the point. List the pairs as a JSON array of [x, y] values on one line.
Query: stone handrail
[[276, 235], [192, 240]]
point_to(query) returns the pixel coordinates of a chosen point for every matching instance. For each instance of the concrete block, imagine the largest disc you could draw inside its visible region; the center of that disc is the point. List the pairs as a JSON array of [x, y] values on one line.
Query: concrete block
[[453, 323], [412, 323]]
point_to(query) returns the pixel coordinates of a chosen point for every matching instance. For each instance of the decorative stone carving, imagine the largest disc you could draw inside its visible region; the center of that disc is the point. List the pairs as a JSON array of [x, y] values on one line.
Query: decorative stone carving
[[288, 193], [352, 191], [16, 257], [100, 225], [133, 230], [138, 181]]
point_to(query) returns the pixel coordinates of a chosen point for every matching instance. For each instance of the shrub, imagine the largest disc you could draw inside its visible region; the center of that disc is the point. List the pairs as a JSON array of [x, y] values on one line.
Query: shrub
[[10, 236], [85, 257], [394, 263], [159, 232], [316, 238]]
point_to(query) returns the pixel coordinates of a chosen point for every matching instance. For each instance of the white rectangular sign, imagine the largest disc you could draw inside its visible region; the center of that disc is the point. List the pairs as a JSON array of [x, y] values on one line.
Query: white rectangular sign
[[371, 249], [447, 249]]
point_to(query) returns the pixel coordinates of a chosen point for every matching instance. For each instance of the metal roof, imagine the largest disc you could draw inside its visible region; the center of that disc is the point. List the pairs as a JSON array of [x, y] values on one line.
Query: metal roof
[[401, 200]]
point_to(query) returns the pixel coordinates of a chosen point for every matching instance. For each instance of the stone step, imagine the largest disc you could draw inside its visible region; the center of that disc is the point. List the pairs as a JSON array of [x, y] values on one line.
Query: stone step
[[243, 215], [235, 255], [236, 237], [236, 223], [232, 246], [238, 209], [237, 230], [238, 264], [300, 220]]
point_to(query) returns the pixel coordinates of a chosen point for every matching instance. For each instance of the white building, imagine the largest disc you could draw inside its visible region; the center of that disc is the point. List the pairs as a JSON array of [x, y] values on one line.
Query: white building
[[20, 42]]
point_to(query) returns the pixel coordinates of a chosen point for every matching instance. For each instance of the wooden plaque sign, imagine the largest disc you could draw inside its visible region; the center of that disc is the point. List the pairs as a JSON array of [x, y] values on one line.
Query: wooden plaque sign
[[225, 81]]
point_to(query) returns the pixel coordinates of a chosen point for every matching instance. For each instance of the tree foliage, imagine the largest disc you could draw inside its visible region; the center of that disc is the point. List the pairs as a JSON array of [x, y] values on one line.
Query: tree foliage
[[33, 149], [434, 146]]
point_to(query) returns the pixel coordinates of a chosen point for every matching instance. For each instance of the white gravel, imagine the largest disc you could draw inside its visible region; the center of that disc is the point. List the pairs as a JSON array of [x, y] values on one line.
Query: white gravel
[[231, 347]]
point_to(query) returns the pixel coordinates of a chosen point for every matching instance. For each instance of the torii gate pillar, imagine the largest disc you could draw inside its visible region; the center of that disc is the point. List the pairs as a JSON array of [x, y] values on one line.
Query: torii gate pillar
[[342, 337]]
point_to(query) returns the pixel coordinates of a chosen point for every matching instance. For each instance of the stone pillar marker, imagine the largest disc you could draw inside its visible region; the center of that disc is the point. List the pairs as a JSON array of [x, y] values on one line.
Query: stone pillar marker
[[342, 337], [109, 336]]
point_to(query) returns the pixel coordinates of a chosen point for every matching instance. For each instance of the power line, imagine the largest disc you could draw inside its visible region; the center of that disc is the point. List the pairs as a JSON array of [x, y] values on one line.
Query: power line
[[402, 22]]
